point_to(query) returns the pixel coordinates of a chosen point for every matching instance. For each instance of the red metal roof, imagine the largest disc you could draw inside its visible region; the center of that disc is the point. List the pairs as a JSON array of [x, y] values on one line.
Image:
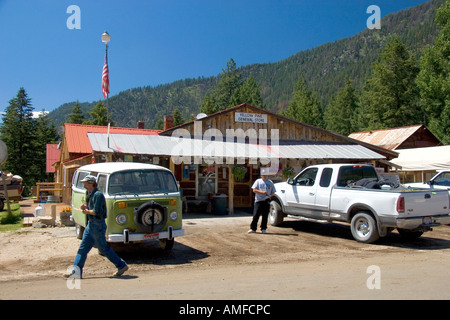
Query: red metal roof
[[78, 142], [53, 154]]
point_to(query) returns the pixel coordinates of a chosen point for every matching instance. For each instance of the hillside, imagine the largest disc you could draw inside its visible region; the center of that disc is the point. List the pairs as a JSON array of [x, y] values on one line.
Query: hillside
[[325, 68]]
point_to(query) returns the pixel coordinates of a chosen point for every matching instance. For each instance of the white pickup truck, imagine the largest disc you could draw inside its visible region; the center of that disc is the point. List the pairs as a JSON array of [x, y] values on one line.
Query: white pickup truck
[[354, 194], [440, 181]]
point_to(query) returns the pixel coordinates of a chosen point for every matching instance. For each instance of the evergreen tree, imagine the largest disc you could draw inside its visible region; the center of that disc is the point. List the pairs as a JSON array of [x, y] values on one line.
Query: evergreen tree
[[305, 105], [45, 133], [249, 92], [390, 98], [177, 118], [76, 116], [26, 139], [339, 115], [434, 78], [222, 96], [99, 116]]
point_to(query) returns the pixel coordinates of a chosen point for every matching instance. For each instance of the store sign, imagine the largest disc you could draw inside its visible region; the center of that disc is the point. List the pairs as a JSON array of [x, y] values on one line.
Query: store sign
[[250, 117]]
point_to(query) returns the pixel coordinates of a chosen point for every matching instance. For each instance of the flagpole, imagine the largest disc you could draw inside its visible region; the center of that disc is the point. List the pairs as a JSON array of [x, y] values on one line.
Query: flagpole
[[105, 80]]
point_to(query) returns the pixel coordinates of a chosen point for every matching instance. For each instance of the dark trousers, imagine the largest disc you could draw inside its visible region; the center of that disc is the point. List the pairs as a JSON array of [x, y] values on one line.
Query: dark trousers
[[261, 208]]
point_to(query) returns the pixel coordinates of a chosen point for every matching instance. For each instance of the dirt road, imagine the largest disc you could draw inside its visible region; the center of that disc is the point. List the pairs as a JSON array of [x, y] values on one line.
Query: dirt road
[[217, 259]]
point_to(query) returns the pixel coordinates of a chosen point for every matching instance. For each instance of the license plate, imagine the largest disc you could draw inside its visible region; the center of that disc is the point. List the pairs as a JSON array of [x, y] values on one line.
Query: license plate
[[151, 236], [427, 220]]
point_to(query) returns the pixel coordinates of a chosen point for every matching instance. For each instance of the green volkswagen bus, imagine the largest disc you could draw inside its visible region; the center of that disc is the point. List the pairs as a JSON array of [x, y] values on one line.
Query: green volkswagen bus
[[143, 202]]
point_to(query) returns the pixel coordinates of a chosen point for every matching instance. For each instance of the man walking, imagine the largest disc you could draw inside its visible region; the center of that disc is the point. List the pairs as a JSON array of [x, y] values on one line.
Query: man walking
[[94, 234], [264, 189]]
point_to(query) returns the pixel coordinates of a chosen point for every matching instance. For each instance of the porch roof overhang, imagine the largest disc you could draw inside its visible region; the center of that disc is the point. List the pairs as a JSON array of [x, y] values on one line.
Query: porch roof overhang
[[185, 147]]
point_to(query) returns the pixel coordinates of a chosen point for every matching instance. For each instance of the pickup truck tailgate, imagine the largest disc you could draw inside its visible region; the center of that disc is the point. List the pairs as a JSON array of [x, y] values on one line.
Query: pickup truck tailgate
[[425, 203]]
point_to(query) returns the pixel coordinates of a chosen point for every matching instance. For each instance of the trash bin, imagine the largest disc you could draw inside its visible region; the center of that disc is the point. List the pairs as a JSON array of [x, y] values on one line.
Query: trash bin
[[219, 202]]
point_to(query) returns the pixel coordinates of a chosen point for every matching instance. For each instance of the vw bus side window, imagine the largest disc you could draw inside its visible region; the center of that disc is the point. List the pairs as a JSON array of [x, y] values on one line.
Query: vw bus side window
[[101, 182], [141, 182], [81, 176]]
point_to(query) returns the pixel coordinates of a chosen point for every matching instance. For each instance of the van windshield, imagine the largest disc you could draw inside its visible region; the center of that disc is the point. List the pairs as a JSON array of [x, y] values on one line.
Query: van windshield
[[141, 182]]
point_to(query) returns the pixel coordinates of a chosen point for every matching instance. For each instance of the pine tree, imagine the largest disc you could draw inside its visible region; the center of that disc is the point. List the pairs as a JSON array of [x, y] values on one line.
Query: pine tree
[[98, 116], [339, 115], [390, 97], [25, 138], [305, 105], [249, 92], [177, 118], [434, 78], [76, 116], [221, 97]]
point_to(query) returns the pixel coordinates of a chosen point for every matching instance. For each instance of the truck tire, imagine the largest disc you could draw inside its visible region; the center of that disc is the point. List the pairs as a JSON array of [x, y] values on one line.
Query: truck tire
[[276, 215], [364, 228]]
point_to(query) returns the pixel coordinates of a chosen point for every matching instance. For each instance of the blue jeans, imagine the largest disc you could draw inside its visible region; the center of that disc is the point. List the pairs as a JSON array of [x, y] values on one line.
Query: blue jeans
[[94, 234]]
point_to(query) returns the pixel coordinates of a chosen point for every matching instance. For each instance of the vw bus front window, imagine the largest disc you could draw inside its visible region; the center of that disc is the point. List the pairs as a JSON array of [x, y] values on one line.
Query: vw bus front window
[[138, 182]]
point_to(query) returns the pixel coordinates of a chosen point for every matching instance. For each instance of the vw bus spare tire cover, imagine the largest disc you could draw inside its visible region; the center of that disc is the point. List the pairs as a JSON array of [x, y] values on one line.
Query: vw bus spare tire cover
[[150, 217]]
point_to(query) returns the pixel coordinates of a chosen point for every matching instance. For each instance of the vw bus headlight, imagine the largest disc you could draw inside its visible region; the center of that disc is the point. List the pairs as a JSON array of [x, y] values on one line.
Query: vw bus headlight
[[173, 215], [121, 219]]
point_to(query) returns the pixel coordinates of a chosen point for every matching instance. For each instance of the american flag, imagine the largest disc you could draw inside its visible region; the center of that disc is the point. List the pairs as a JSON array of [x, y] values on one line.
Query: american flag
[[105, 77]]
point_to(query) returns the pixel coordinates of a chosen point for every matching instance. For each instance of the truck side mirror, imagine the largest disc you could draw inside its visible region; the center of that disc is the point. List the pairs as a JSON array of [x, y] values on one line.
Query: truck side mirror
[[290, 181]]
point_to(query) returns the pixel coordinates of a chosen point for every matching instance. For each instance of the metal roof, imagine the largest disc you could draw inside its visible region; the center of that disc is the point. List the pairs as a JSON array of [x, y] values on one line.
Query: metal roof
[[386, 138], [175, 146], [77, 140]]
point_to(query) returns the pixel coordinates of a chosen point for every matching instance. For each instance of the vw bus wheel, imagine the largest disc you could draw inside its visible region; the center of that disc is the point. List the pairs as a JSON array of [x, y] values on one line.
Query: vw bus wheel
[[166, 244], [79, 230]]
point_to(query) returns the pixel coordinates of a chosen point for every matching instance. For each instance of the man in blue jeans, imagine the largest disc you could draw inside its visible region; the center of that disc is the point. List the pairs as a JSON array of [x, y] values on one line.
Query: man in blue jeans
[[263, 189], [94, 234]]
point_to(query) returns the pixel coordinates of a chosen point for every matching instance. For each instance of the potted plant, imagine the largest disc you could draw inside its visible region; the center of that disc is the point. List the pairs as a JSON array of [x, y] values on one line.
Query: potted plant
[[64, 216], [239, 173], [288, 172]]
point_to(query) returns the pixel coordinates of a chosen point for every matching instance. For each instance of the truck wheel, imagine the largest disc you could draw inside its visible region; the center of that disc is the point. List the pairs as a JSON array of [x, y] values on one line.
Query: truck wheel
[[79, 230], [364, 228], [166, 244], [408, 234], [276, 215]]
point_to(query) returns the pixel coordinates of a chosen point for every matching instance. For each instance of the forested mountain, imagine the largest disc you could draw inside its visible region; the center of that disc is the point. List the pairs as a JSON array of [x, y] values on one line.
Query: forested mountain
[[324, 68]]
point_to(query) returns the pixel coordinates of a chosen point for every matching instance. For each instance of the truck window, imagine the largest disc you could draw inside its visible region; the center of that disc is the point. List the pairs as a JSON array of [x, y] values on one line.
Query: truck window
[[352, 174], [443, 179], [325, 179], [306, 178]]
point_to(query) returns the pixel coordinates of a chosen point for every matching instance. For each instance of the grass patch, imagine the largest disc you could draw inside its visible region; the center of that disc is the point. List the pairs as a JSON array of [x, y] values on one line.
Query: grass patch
[[13, 222]]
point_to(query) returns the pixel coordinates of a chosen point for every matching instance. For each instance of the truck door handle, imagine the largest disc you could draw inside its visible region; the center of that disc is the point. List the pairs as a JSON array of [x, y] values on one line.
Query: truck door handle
[[427, 196], [311, 193]]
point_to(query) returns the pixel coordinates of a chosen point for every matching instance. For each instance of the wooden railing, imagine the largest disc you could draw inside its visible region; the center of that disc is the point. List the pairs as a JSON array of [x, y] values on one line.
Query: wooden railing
[[54, 187]]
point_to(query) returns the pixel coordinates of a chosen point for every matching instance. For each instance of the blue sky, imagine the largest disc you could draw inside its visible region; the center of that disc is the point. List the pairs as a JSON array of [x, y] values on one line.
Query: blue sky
[[158, 41]]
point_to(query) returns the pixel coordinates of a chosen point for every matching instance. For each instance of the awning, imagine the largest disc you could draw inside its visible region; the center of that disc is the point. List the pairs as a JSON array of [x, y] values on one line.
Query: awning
[[185, 147], [421, 159]]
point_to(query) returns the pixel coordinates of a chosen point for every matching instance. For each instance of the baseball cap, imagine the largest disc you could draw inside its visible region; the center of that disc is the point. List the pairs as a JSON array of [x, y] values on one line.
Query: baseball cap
[[89, 178]]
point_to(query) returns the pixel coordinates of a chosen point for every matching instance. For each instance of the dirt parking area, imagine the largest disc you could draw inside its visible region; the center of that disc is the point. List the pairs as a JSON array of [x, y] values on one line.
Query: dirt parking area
[[217, 259]]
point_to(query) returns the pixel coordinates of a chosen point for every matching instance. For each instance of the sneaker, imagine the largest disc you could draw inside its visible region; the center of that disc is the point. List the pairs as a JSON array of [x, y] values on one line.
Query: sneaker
[[120, 271], [72, 274], [263, 231], [251, 231]]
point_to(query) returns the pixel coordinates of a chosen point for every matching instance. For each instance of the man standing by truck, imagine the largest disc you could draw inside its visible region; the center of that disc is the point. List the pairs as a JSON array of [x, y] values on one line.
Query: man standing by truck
[[264, 189]]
